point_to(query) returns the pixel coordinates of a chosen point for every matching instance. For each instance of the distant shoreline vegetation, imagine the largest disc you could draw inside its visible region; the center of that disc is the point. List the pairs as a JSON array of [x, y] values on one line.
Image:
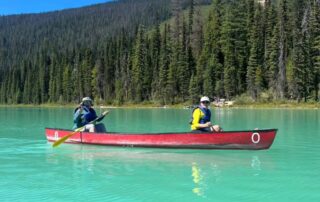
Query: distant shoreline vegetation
[[165, 52], [237, 104]]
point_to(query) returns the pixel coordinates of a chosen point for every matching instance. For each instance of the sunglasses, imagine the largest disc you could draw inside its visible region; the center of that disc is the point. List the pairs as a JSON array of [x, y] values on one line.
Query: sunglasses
[[88, 102], [206, 102]]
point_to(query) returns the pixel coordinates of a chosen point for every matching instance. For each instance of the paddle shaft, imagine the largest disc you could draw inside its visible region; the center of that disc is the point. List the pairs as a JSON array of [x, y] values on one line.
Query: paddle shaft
[[63, 139]]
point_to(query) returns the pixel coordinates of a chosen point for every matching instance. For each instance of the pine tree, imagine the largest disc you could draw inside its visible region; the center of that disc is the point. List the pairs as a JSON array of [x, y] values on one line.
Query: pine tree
[[165, 58], [100, 79], [155, 47], [86, 70], [299, 85], [190, 21], [254, 71], [35, 93], [315, 45], [283, 29], [44, 63], [183, 71], [270, 17], [177, 63], [58, 83], [176, 13], [228, 49], [193, 90], [67, 87], [94, 83], [209, 78], [76, 83], [171, 87], [109, 71], [208, 62], [273, 62], [52, 81], [197, 37], [138, 65], [242, 22]]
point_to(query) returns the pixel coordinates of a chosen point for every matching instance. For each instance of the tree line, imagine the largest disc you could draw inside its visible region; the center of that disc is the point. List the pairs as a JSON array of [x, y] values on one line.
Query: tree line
[[261, 49]]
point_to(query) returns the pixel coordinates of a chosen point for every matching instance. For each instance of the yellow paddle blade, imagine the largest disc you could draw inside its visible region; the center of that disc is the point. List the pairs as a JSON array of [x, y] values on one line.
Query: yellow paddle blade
[[63, 139]]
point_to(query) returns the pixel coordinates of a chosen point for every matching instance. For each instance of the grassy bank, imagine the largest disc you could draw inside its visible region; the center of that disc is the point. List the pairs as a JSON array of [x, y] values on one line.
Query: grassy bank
[[282, 104], [266, 101], [292, 105]]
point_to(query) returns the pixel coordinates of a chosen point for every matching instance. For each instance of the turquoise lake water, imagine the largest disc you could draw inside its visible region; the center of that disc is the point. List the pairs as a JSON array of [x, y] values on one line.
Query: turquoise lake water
[[31, 170]]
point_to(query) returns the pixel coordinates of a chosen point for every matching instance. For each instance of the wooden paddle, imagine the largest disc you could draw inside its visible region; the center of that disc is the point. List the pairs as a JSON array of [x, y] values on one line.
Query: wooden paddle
[[63, 139]]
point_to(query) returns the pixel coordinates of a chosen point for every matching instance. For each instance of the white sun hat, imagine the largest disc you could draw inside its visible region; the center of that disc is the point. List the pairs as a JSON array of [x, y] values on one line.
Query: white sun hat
[[86, 99], [204, 99]]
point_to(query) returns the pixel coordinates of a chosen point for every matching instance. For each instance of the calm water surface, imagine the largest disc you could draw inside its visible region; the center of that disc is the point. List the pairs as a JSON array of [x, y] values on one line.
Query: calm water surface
[[30, 170]]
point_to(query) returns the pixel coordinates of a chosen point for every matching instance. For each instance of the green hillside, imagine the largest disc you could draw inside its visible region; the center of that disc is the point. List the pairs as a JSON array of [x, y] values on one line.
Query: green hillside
[[163, 52]]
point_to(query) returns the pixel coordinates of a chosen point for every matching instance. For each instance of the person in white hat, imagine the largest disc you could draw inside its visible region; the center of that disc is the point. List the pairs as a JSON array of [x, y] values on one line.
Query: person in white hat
[[201, 118], [84, 114]]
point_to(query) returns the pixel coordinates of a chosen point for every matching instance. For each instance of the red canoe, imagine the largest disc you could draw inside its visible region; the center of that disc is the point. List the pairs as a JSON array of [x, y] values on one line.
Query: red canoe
[[253, 140]]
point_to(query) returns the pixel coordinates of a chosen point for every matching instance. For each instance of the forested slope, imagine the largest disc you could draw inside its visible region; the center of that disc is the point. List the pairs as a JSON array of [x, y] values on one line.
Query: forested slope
[[117, 52]]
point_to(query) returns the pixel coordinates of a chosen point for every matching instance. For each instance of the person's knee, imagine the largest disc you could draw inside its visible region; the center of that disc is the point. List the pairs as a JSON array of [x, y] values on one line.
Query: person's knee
[[216, 128], [90, 128], [100, 128]]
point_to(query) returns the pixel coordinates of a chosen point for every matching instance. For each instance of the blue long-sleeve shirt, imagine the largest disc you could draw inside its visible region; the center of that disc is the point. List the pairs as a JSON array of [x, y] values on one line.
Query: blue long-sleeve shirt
[[86, 116]]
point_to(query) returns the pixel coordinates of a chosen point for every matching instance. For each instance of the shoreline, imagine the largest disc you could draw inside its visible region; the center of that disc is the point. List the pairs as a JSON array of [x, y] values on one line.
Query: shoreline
[[282, 105]]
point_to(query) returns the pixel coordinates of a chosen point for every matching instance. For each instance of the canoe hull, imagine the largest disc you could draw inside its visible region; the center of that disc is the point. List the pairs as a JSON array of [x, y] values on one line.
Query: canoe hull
[[251, 140]]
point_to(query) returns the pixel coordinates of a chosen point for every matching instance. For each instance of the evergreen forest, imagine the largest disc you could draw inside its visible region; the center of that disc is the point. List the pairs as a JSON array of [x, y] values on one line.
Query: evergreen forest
[[163, 52]]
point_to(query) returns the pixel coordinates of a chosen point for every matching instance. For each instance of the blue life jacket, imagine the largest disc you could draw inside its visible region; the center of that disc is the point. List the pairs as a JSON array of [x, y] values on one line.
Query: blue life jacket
[[207, 115], [87, 115]]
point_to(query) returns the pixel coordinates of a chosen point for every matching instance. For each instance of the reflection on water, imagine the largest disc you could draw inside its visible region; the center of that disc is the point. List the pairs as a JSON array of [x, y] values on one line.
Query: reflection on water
[[256, 164], [211, 158], [199, 170], [197, 179]]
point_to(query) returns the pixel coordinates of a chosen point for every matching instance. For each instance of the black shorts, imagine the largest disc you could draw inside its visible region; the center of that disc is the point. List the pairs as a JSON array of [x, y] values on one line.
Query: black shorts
[[204, 130]]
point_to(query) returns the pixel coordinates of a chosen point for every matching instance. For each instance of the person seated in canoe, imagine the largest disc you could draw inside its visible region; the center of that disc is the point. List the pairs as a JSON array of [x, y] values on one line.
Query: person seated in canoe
[[84, 114], [201, 118]]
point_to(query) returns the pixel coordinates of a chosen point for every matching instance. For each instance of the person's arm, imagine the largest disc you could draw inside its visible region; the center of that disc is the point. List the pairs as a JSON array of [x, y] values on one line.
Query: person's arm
[[90, 115], [77, 117], [196, 119]]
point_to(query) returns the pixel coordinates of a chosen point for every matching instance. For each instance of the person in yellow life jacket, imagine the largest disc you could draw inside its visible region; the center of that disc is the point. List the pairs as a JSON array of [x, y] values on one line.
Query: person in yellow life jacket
[[201, 118]]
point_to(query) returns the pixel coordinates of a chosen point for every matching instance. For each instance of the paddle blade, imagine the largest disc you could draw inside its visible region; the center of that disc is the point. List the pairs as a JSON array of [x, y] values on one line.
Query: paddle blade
[[105, 113], [63, 139]]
